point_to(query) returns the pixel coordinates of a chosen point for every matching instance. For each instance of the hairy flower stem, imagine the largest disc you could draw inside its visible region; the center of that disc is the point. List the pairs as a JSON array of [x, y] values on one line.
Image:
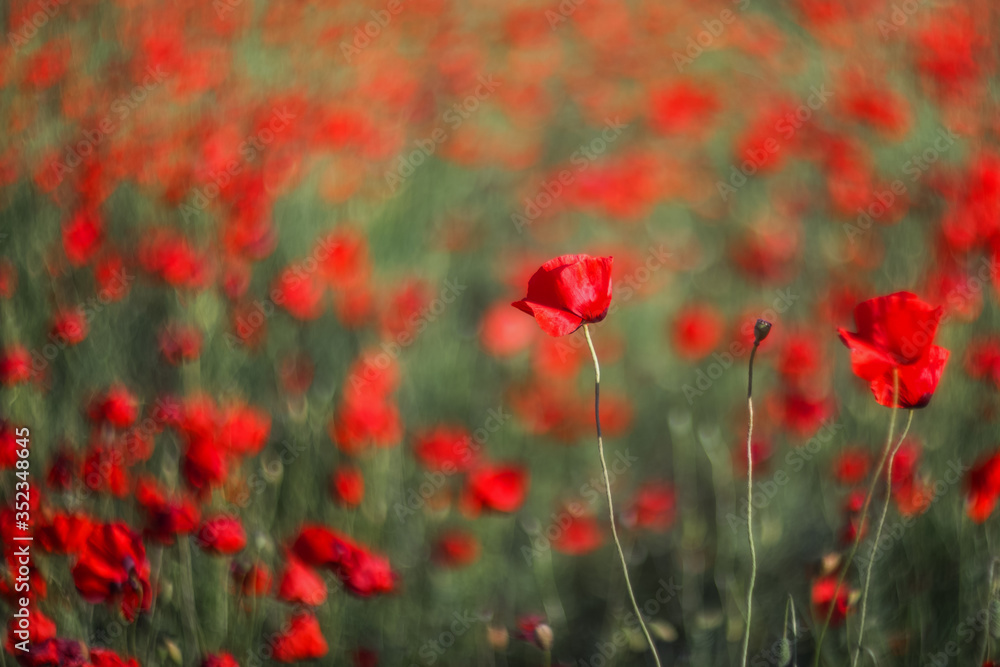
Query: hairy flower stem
[[753, 549], [878, 536], [607, 486], [861, 525]]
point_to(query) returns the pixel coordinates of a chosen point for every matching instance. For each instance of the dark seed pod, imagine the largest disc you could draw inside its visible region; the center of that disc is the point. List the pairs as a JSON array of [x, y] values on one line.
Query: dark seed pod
[[760, 330]]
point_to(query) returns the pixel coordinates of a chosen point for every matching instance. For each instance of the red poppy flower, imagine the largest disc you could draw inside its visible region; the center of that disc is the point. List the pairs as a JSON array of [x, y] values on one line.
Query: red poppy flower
[[63, 470], [164, 518], [696, 331], [40, 628], [362, 572], [300, 584], [896, 334], [70, 327], [219, 660], [500, 488], [82, 237], [568, 292], [348, 486], [580, 535], [112, 566], [301, 640], [63, 532], [244, 429], [104, 471], [822, 599], [102, 657], [446, 448], [456, 548], [851, 466], [222, 535], [15, 365], [117, 406], [363, 422], [253, 580], [180, 343], [653, 507], [504, 333], [982, 485]]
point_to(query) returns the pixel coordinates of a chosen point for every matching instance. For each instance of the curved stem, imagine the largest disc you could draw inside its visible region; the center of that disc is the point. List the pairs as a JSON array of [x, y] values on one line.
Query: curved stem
[[861, 525], [607, 486], [753, 549], [878, 536]]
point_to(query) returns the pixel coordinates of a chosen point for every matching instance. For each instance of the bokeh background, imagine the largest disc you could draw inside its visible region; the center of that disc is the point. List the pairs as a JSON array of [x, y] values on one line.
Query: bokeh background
[[256, 261]]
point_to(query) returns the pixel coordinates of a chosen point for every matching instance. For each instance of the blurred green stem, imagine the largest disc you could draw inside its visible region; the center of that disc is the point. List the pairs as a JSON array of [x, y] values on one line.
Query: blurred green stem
[[607, 486], [861, 524], [878, 531]]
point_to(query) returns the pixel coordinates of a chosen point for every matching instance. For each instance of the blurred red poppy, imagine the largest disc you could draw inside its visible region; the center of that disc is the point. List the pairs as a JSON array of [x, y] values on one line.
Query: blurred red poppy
[[500, 488], [568, 292], [300, 584], [300, 640], [822, 599], [222, 535], [112, 568]]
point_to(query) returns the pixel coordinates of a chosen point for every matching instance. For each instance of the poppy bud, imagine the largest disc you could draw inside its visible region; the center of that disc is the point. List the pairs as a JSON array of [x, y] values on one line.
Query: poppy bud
[[498, 637], [544, 635], [760, 331]]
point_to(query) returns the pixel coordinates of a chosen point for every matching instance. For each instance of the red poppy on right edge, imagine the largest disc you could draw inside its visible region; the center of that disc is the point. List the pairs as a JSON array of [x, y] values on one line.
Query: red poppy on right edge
[[896, 333]]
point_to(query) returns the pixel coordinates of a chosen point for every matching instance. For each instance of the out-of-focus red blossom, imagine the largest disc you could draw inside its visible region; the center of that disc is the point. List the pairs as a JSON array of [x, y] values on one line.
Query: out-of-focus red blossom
[[949, 49], [448, 448], [104, 471], [971, 218], [851, 465], [69, 327], [299, 292], [63, 470], [682, 108], [354, 307], [117, 406], [455, 548], [369, 377], [404, 312], [652, 508], [221, 535], [568, 292], [504, 333], [112, 568], [546, 410], [823, 598], [301, 639], [8, 279], [895, 335], [82, 236], [300, 584], [167, 255], [348, 485], [696, 330], [165, 518], [252, 580], [875, 105], [800, 360], [102, 657], [800, 414], [360, 423], [343, 256], [498, 488], [982, 360], [15, 365], [179, 343], [527, 630], [852, 508], [579, 535], [56, 652], [244, 430], [111, 276], [364, 657], [219, 660], [362, 572], [63, 532], [982, 487], [768, 252], [913, 495]]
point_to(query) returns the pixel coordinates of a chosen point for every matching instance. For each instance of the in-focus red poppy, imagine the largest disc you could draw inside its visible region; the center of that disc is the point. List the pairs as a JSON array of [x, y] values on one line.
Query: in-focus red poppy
[[222, 535], [301, 640], [112, 567], [300, 584], [568, 292], [896, 335]]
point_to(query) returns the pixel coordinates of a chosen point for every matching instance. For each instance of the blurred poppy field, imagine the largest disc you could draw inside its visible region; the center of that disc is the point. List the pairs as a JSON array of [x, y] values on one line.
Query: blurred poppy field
[[295, 304]]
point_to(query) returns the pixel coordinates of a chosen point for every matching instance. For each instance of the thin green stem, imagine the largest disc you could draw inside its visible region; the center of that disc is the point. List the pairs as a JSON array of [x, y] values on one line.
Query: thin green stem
[[878, 535], [753, 549], [861, 525], [607, 486]]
